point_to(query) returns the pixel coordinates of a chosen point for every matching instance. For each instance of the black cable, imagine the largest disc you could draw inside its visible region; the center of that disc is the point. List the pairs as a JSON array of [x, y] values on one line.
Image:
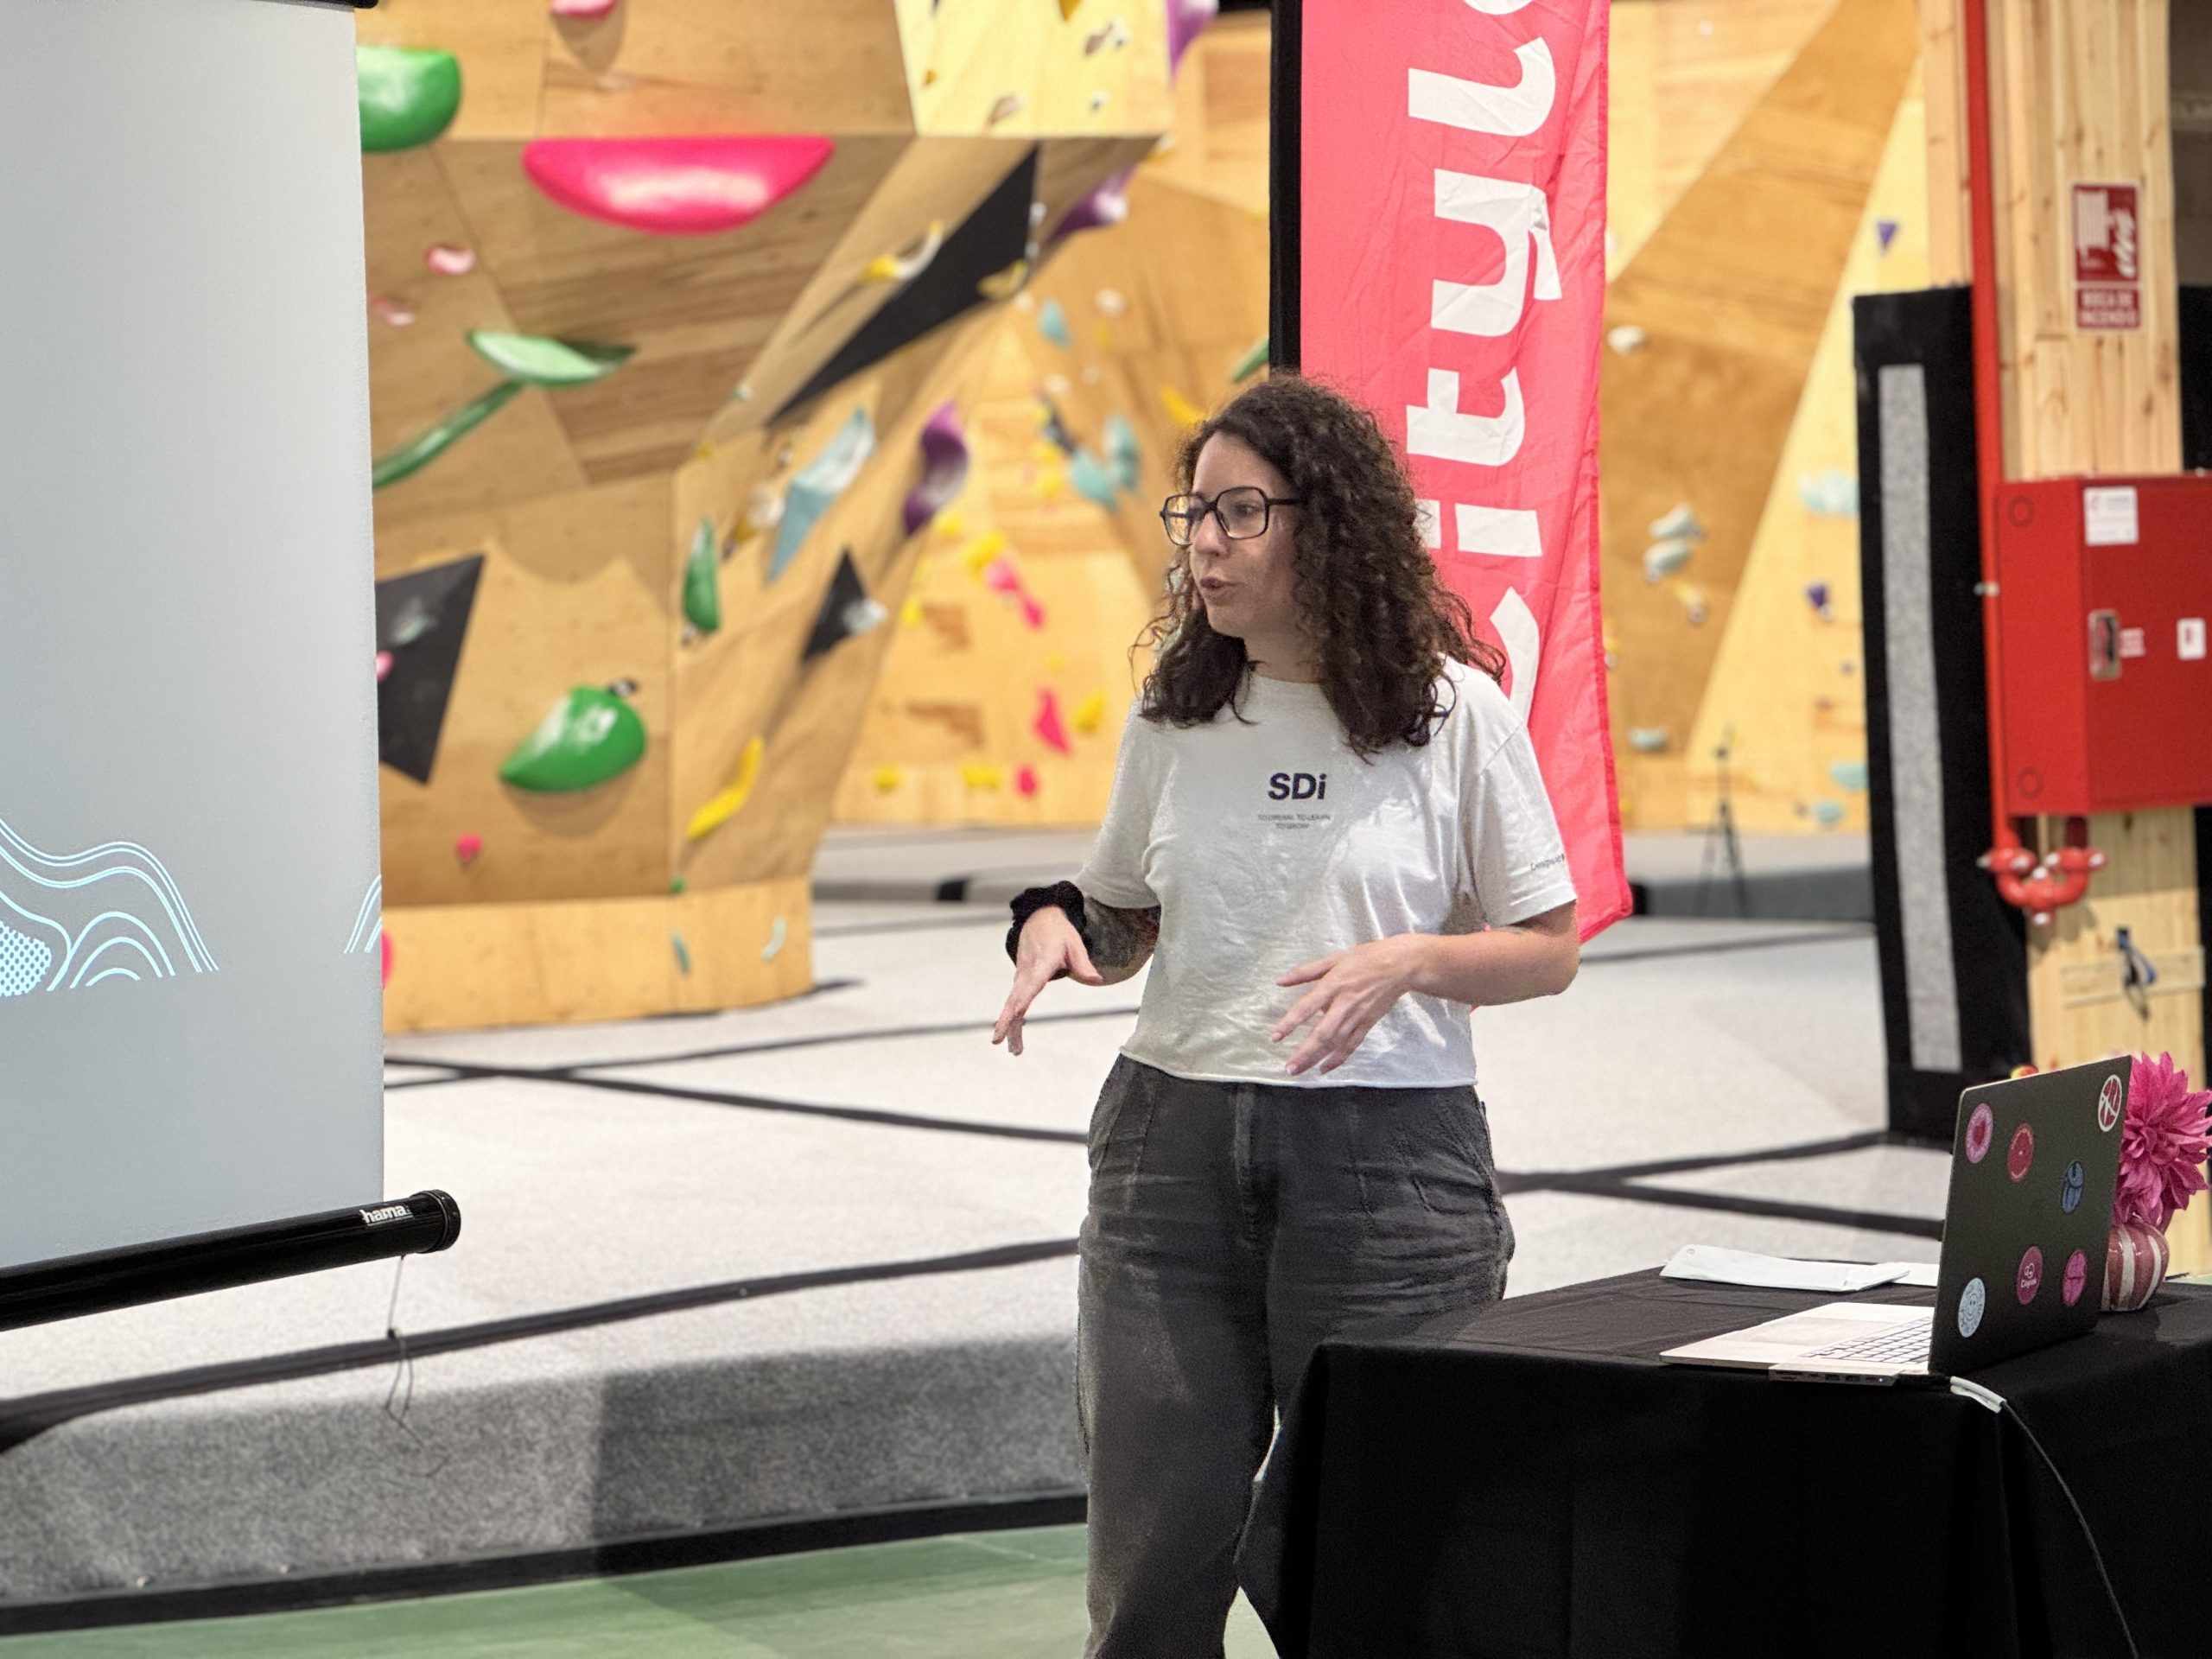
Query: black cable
[[1999, 1404]]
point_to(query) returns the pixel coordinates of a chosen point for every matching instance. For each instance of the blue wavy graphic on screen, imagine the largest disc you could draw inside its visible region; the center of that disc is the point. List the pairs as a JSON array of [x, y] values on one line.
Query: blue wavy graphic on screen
[[367, 936], [71, 921]]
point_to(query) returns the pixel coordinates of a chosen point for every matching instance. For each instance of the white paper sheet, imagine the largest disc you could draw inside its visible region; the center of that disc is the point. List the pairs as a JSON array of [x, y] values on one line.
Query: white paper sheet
[[1716, 1265]]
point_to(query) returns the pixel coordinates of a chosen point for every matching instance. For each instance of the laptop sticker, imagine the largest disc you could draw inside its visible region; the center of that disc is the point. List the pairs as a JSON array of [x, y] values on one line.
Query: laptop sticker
[[2021, 1154], [1972, 1301], [2108, 1105], [2077, 1275], [2070, 1192], [1980, 1127], [2029, 1280]]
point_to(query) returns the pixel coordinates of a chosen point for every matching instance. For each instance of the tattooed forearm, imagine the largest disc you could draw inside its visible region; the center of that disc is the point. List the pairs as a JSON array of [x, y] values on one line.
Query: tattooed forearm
[[1121, 940]]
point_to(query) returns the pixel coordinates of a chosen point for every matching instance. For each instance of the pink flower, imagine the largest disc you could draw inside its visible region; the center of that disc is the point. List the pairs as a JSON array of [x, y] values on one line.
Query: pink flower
[[2162, 1143]]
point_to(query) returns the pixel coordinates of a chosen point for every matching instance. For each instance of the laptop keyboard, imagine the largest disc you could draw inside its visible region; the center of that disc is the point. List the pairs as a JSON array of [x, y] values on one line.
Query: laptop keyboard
[[1904, 1344]]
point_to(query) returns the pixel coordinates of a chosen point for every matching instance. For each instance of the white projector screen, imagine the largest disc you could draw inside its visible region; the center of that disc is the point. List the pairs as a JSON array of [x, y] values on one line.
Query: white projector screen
[[189, 985]]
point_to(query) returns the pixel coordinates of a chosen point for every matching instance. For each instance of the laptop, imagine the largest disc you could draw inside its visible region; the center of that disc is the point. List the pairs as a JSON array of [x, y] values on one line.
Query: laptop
[[2033, 1164]]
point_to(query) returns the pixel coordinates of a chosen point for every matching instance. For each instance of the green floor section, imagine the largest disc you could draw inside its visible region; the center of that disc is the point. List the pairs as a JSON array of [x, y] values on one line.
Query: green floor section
[[987, 1595]]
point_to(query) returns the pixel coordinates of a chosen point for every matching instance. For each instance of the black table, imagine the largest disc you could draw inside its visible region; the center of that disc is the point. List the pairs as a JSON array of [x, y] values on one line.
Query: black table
[[1529, 1480]]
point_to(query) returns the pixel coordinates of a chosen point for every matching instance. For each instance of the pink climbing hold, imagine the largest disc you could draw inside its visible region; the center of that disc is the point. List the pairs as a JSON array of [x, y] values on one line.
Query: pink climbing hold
[[449, 261], [1024, 781], [396, 312], [385, 941], [465, 848], [586, 10], [383, 666], [1031, 611], [1048, 725], [1000, 577], [674, 186]]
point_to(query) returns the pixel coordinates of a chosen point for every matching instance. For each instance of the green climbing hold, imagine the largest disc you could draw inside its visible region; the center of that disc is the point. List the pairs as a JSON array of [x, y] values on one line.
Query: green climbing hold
[[525, 360], [588, 737], [1252, 362], [407, 96], [538, 361], [424, 447], [703, 591]]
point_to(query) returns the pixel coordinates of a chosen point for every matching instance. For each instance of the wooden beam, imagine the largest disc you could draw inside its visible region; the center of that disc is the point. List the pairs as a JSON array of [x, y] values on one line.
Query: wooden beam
[[2078, 93]]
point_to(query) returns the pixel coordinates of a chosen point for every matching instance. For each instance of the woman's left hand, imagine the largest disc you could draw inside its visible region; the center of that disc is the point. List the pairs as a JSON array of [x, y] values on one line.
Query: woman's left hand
[[1352, 989]]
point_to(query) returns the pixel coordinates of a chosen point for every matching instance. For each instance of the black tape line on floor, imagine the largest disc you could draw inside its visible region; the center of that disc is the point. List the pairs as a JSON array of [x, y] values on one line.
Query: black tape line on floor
[[1729, 1204], [33, 1414], [612, 1558], [464, 1071]]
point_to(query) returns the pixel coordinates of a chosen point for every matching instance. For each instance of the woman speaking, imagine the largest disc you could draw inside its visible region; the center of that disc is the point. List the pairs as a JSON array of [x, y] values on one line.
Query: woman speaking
[[1328, 834]]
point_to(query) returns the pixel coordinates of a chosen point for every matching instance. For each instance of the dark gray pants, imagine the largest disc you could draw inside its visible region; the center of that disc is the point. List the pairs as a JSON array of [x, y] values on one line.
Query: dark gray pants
[[1231, 1227]]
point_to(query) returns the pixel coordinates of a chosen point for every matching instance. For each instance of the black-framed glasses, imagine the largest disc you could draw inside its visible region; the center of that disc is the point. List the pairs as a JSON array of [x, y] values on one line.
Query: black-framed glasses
[[1242, 512]]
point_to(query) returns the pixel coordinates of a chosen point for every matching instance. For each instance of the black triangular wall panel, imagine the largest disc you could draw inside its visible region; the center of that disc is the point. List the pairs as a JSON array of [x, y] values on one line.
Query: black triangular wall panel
[[832, 629], [422, 619], [987, 242]]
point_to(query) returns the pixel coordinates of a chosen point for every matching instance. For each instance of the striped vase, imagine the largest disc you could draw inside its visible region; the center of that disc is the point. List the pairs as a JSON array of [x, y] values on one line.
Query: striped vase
[[2135, 1266]]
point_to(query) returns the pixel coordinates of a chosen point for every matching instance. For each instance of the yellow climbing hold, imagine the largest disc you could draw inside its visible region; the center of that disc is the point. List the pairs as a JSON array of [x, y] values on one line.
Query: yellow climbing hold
[[1181, 409], [977, 777], [949, 524], [1049, 484], [1004, 284], [910, 614], [980, 551], [723, 807], [886, 778], [1086, 715]]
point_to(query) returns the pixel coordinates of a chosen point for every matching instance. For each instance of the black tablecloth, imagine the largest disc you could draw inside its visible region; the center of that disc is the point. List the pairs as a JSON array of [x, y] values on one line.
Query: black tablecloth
[[1529, 1479]]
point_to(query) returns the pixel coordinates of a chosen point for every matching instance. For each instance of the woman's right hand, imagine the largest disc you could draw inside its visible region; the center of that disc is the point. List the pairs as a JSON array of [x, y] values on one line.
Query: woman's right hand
[[1048, 944]]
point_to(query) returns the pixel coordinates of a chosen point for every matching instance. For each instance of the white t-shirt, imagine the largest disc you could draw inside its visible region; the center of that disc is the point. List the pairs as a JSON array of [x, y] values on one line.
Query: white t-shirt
[[1271, 844]]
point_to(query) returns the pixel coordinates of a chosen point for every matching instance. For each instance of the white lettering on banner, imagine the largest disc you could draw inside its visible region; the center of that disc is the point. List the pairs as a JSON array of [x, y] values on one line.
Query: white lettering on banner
[[1443, 432], [386, 1213], [1517, 628], [1512, 111], [1518, 215], [1498, 532]]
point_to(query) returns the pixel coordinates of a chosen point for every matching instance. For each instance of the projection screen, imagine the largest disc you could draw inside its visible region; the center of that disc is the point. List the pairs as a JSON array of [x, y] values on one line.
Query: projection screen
[[189, 985]]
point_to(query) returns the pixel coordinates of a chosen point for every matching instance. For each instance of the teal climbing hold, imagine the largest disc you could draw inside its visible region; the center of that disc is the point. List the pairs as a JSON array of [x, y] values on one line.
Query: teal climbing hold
[[407, 96], [818, 485], [1122, 452], [1091, 479], [702, 592], [1052, 323], [585, 738]]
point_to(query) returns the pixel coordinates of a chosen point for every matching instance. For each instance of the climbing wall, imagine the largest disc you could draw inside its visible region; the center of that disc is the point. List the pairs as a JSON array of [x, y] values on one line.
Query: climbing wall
[[679, 315], [1769, 163], [1010, 669]]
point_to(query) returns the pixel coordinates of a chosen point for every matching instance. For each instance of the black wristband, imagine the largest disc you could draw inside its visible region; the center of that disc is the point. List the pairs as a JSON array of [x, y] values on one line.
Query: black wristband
[[1030, 900]]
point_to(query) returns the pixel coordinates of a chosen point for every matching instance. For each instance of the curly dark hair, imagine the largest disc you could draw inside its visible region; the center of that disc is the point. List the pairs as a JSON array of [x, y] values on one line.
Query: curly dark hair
[[1367, 593]]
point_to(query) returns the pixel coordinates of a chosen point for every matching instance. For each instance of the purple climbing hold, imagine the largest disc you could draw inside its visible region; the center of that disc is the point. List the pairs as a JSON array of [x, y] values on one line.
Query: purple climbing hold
[[945, 467]]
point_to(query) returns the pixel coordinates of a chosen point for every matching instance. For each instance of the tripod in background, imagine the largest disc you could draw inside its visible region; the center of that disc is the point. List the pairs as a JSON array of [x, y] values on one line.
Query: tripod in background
[[1721, 843]]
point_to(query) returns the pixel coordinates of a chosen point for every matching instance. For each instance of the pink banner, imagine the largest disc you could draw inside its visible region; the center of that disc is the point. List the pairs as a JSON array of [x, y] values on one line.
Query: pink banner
[[1451, 228]]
